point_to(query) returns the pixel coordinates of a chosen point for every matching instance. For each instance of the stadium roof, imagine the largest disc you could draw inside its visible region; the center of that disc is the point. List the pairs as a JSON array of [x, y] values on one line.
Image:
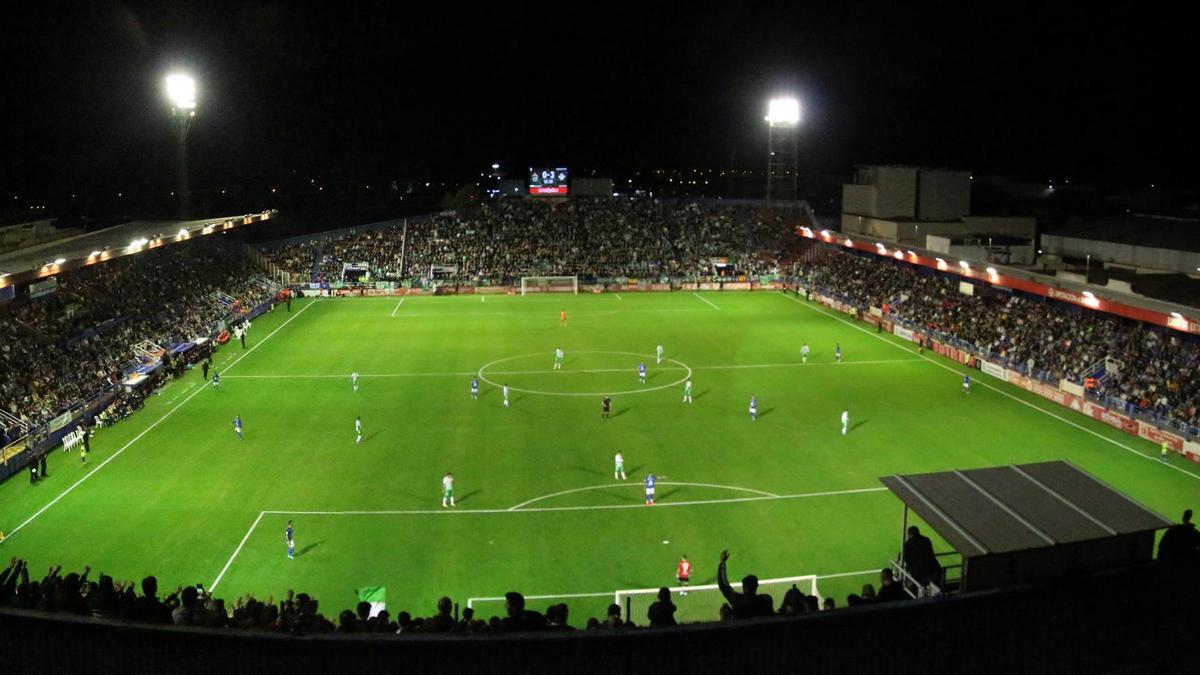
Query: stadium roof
[[39, 260], [1016, 508], [1176, 234]]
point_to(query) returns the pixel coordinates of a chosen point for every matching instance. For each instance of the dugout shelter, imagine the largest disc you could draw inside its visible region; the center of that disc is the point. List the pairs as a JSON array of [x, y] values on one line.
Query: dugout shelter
[[1025, 524]]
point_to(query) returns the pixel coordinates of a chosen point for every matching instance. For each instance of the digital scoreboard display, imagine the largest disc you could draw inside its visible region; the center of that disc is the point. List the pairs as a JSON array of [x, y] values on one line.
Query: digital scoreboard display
[[548, 181]]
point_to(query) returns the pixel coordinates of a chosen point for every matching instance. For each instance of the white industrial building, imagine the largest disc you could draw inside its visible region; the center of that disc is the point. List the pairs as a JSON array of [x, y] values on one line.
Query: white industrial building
[[930, 208]]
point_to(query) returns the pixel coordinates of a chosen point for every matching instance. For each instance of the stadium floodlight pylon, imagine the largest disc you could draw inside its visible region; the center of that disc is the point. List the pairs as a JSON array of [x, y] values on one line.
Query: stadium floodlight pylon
[[783, 122], [563, 284]]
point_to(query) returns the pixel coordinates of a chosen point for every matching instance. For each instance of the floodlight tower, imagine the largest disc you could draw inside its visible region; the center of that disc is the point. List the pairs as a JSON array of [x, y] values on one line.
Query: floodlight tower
[[181, 92], [783, 122]]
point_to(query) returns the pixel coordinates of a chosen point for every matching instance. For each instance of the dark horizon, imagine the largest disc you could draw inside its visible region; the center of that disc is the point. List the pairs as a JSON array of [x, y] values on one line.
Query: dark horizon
[[288, 92]]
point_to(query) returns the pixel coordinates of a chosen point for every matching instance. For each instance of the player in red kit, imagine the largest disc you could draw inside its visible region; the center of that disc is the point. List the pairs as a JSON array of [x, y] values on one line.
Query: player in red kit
[[562, 318], [683, 572]]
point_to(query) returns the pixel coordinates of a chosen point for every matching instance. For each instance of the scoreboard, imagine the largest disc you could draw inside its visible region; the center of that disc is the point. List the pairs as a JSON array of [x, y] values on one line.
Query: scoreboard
[[548, 181]]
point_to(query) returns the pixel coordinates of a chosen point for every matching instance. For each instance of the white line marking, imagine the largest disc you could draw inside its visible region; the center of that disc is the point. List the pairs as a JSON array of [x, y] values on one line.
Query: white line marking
[[180, 393], [236, 551], [398, 305], [603, 507], [135, 439], [618, 296], [613, 485], [583, 371], [706, 301], [997, 390]]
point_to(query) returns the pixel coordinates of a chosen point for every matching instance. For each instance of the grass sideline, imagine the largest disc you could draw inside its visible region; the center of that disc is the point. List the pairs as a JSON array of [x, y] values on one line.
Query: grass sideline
[[178, 493]]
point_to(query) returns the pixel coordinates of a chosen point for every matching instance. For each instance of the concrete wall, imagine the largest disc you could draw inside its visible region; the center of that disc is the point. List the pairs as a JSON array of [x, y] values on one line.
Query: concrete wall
[[896, 194], [1187, 262], [1016, 226], [858, 199], [945, 195]]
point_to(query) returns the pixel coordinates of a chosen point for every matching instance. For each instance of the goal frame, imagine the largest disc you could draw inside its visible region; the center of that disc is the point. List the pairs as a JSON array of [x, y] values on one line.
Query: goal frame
[[529, 285]]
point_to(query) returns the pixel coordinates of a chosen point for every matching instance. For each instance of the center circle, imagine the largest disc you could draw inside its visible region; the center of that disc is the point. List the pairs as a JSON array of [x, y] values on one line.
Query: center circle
[[645, 357]]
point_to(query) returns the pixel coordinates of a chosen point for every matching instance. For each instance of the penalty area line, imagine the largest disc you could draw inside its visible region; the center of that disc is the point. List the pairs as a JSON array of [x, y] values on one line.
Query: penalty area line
[[398, 306], [600, 507], [153, 424]]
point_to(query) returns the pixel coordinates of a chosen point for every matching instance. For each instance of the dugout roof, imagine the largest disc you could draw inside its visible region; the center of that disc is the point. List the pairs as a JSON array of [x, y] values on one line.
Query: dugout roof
[[998, 510]]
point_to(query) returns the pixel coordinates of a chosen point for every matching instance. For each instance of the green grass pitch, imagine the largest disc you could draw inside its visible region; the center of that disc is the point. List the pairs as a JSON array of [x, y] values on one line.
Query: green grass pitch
[[174, 493]]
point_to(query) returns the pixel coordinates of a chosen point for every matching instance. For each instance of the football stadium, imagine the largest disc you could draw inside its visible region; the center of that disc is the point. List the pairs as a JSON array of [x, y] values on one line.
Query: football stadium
[[570, 423]]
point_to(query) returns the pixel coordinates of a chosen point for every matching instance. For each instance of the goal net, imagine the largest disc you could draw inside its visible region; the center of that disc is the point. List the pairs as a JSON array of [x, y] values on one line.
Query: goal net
[[703, 603], [549, 285]]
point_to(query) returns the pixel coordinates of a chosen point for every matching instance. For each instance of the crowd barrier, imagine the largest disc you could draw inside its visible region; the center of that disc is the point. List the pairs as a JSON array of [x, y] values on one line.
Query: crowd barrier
[[1130, 621]]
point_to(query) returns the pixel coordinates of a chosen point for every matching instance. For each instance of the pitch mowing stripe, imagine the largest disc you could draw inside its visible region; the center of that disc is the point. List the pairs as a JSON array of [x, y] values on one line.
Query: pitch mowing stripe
[[145, 431], [706, 301], [999, 391], [584, 371]]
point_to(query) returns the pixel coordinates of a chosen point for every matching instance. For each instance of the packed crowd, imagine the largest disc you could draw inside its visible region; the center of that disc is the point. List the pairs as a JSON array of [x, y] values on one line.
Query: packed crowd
[[594, 239], [63, 347], [1159, 369], [77, 593]]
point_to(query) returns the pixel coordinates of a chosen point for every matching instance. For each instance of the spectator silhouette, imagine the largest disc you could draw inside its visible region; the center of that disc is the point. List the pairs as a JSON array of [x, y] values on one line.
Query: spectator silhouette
[[662, 613], [919, 558], [1180, 544], [441, 622], [749, 603], [519, 619], [889, 590]]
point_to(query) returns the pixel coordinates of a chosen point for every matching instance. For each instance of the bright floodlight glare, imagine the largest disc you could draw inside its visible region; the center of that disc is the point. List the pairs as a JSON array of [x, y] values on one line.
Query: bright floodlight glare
[[59, 261], [991, 271], [964, 264], [181, 89], [783, 111], [1177, 315]]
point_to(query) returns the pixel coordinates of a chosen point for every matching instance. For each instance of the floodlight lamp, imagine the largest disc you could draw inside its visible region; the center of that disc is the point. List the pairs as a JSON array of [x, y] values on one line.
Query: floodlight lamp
[[898, 254], [183, 231], [93, 254], [783, 112], [911, 253], [1088, 294], [495, 165], [991, 271], [825, 233], [181, 90], [1177, 315], [59, 261], [964, 264]]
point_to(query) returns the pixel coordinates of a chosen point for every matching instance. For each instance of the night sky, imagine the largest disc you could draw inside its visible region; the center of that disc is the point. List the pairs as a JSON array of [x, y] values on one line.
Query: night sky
[[285, 88]]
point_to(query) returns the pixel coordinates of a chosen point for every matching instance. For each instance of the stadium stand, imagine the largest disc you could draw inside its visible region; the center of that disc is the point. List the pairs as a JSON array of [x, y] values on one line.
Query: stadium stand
[[594, 239], [1040, 338], [61, 349]]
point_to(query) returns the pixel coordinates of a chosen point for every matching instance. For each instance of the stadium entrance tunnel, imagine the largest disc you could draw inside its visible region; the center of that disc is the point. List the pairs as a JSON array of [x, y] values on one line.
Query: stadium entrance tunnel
[[584, 373]]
